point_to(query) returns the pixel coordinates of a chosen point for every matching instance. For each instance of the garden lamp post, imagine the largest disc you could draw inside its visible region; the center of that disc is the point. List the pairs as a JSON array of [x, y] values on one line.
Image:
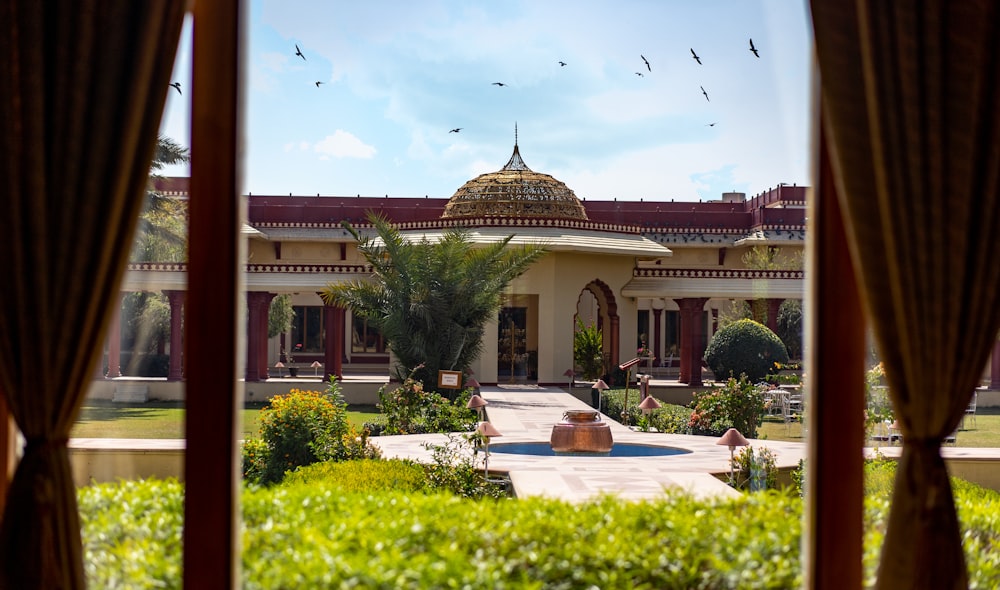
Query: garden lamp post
[[599, 387], [316, 365], [477, 403], [649, 404], [570, 373], [279, 365], [473, 385], [732, 439], [487, 431]]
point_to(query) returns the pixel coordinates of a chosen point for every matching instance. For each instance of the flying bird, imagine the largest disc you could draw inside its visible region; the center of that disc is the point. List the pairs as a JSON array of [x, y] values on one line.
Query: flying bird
[[695, 56], [639, 74], [710, 124], [455, 130], [562, 63], [298, 52], [754, 49], [647, 62], [499, 84], [318, 83], [177, 87], [705, 93]]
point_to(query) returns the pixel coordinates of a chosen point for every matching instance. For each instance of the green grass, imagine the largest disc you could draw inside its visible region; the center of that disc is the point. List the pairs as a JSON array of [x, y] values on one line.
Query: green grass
[[107, 419]]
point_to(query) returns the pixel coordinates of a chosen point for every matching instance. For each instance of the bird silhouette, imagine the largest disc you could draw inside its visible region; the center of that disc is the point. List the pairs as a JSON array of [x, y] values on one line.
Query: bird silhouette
[[318, 83], [695, 56], [177, 87], [639, 74], [710, 124], [298, 52], [455, 130], [705, 93], [754, 50], [646, 61], [499, 84], [562, 63]]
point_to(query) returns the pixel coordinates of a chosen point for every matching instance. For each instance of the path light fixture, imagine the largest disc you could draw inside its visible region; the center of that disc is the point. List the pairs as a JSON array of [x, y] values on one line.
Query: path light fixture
[[477, 403], [599, 387], [473, 385], [570, 373], [487, 431], [279, 365], [649, 404], [732, 439], [316, 365]]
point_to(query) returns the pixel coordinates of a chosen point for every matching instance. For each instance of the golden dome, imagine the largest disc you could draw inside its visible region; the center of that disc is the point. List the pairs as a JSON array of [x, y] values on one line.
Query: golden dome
[[514, 191]]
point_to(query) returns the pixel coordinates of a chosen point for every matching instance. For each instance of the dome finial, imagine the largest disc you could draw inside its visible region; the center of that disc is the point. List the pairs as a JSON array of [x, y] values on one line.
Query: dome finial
[[515, 133]]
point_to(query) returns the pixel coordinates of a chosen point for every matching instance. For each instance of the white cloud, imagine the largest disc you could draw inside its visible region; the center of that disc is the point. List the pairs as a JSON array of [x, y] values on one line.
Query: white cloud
[[343, 145]]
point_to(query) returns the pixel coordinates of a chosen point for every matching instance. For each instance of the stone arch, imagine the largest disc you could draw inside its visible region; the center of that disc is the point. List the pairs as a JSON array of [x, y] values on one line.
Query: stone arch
[[607, 317]]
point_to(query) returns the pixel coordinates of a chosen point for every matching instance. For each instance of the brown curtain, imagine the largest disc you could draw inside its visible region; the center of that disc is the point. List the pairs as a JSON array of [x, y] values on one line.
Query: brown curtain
[[910, 97], [82, 88]]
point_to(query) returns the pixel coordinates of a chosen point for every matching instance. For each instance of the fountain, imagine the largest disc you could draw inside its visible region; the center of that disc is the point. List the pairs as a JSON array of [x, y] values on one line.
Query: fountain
[[581, 431]]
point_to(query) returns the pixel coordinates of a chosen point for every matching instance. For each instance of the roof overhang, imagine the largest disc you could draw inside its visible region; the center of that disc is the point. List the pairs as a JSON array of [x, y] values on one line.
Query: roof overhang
[[556, 239], [716, 288]]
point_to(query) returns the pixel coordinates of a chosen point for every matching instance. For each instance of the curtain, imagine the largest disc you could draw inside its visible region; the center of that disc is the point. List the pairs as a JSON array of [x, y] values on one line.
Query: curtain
[[910, 97], [82, 89]]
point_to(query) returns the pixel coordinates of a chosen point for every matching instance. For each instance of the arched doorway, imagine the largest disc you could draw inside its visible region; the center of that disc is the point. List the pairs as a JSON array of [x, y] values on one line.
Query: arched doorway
[[597, 304]]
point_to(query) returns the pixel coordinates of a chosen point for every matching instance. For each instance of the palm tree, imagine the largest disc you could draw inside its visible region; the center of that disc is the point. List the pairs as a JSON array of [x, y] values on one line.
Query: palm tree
[[431, 301]]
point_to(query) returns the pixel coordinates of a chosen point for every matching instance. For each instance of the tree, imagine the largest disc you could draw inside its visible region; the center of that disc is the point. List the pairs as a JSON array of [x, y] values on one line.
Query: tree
[[431, 301], [280, 315], [744, 347]]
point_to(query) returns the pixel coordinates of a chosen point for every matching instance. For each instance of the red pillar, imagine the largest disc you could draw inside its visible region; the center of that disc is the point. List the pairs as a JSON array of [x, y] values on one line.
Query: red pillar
[[995, 367], [697, 307], [115, 342], [615, 341], [657, 320], [684, 375], [258, 304], [176, 298], [773, 305], [333, 356]]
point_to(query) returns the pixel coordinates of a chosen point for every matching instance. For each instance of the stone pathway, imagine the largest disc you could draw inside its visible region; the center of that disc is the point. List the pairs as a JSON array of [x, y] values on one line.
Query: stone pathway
[[527, 413]]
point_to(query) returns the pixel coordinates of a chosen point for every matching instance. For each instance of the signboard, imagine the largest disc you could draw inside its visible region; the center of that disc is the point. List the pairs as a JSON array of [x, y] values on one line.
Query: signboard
[[450, 379]]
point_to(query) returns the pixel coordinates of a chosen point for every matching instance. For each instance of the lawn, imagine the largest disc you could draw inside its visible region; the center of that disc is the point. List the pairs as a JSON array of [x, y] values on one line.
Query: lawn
[[107, 419]]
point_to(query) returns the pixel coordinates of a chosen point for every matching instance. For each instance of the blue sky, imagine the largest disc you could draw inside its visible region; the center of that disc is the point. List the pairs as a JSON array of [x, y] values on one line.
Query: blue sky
[[397, 76]]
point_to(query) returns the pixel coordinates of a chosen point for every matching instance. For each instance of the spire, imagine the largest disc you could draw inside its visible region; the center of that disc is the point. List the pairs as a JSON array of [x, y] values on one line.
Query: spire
[[515, 162]]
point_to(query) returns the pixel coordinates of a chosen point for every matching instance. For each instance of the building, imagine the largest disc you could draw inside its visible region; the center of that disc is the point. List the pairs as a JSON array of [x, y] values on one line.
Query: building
[[650, 274]]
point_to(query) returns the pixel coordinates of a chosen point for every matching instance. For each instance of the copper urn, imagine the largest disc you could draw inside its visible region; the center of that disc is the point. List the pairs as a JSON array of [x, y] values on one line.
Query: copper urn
[[581, 431]]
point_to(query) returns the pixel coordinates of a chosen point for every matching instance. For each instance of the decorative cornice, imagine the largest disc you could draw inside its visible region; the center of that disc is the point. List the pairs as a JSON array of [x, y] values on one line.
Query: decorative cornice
[[717, 273], [158, 266], [472, 223], [259, 268]]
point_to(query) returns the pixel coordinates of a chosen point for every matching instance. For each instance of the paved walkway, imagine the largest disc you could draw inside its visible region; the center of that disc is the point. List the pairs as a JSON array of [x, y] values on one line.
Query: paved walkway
[[526, 413]]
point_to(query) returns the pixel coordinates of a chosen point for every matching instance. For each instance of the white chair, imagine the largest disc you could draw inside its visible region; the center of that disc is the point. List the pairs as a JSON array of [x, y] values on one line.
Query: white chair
[[970, 410]]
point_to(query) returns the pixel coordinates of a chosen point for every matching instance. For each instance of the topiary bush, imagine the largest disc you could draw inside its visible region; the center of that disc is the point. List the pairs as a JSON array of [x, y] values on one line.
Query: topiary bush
[[364, 475], [745, 347]]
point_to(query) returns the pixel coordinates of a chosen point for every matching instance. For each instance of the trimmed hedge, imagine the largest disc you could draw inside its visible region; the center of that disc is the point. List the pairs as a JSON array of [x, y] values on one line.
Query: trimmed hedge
[[328, 526], [744, 347]]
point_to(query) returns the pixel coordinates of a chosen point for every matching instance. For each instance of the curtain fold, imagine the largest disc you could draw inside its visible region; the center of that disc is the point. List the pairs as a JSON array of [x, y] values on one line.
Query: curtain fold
[[82, 89], [910, 96]]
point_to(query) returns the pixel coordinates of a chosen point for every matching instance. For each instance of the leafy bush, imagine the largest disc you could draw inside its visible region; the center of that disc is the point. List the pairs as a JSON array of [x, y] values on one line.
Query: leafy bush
[[790, 326], [669, 418], [312, 534], [455, 468], [364, 475], [304, 427], [754, 470], [254, 452], [744, 347], [738, 404], [409, 409], [588, 350]]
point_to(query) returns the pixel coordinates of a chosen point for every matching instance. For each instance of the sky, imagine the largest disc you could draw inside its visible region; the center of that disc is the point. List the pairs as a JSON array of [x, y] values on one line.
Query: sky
[[396, 77]]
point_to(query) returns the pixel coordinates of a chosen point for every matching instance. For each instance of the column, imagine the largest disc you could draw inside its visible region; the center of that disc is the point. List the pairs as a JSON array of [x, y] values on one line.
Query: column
[[333, 347], [697, 331], [115, 341], [258, 305], [176, 298], [657, 330], [773, 305], [615, 340], [684, 375]]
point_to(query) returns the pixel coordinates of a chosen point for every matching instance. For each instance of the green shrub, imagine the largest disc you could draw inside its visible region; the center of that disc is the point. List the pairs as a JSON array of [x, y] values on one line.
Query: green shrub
[[312, 534], [671, 419], [744, 347], [588, 350], [737, 404], [254, 452], [455, 468], [304, 427], [754, 470], [364, 475], [408, 409]]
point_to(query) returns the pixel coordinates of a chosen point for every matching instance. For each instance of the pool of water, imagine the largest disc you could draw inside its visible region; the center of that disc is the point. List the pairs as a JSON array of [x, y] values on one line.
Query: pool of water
[[544, 449]]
